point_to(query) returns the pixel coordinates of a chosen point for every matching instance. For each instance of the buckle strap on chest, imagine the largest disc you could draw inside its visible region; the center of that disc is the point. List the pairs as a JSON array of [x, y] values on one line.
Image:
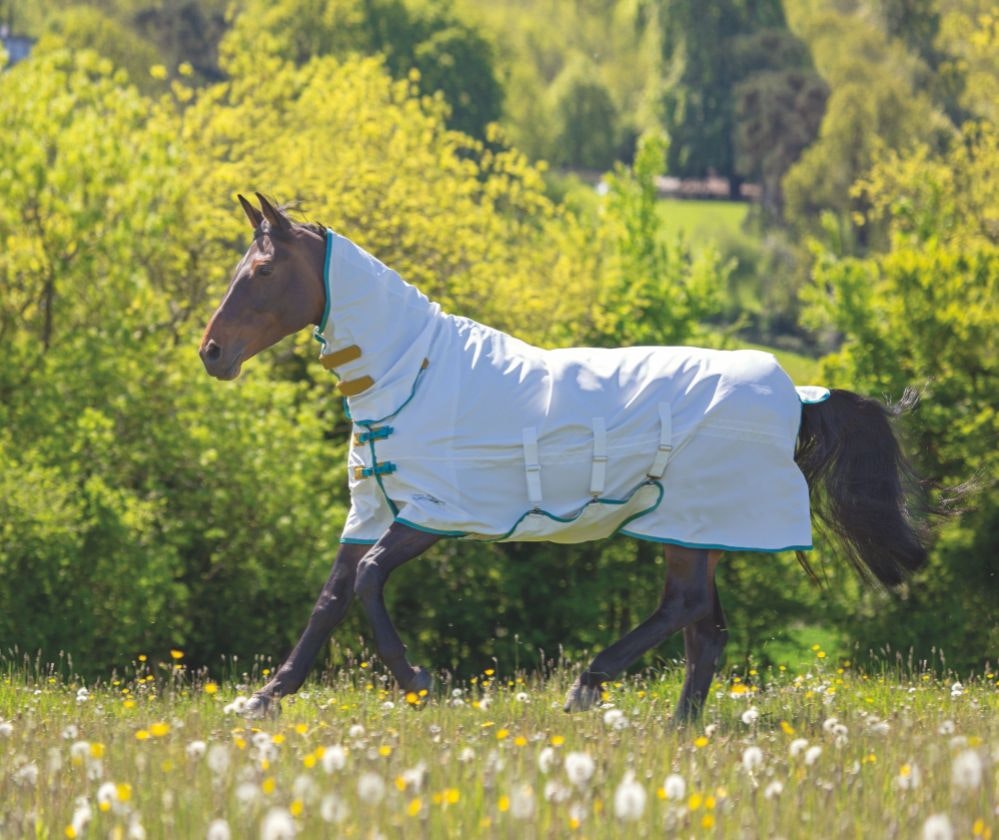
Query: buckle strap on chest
[[665, 442], [369, 435], [378, 469]]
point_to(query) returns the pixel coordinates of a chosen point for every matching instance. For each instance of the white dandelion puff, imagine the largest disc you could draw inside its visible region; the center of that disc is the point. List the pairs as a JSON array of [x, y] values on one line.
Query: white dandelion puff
[[218, 829], [752, 758], [675, 787], [812, 755], [829, 723], [750, 716], [946, 728], [277, 825], [956, 690], [797, 746], [82, 695], [236, 707], [55, 760], [218, 759], [371, 788], [522, 697], [27, 775], [95, 769], [879, 727], [466, 755], [414, 777], [334, 759], [966, 771], [547, 760], [247, 792], [82, 815], [305, 788], [6, 729], [522, 802], [356, 731], [79, 751], [615, 719], [388, 705], [136, 831], [196, 750], [938, 827], [840, 731], [556, 792], [579, 768], [333, 809], [70, 733], [107, 794], [773, 790], [629, 799], [710, 729]]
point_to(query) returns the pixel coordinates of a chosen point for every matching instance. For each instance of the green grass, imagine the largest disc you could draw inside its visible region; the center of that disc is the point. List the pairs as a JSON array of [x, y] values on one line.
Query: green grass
[[702, 221], [803, 370], [163, 754]]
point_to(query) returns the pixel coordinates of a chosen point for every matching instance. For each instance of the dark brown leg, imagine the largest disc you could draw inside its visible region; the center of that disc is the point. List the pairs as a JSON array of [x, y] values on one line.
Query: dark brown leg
[[703, 641], [398, 545], [686, 599], [329, 611]]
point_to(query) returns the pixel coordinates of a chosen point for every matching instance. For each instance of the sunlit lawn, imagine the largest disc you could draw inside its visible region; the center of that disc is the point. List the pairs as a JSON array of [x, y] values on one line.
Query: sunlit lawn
[[821, 752]]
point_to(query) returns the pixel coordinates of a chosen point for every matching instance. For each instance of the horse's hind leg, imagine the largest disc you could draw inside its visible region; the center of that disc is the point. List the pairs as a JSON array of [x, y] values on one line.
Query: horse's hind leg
[[687, 598], [703, 642]]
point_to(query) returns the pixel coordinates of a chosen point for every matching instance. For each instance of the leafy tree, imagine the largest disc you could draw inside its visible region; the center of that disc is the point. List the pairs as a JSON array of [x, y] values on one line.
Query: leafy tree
[[585, 119]]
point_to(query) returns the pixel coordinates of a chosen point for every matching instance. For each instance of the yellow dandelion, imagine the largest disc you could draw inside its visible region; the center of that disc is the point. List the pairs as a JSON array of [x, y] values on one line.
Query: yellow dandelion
[[278, 739], [502, 734], [174, 653], [503, 804], [143, 657], [128, 703], [520, 741], [141, 735], [414, 807], [821, 654], [660, 793], [185, 68], [364, 664], [574, 823], [695, 801], [268, 785], [239, 742], [124, 791], [489, 672], [70, 832], [104, 806], [296, 807], [309, 761], [211, 688], [96, 750], [701, 742], [786, 728], [159, 729], [452, 795], [266, 672], [412, 698], [385, 750], [556, 740], [301, 728], [400, 783], [709, 802], [708, 821]]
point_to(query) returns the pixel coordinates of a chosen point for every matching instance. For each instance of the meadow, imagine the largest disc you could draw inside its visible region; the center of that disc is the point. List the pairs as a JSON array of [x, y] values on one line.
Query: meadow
[[822, 749]]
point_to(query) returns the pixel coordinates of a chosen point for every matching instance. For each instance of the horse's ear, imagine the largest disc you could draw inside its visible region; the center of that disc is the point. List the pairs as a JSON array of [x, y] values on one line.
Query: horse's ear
[[252, 213], [279, 222]]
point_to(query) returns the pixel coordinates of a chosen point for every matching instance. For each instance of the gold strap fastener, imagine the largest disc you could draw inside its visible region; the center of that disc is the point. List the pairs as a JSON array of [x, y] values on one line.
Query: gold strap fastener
[[340, 357]]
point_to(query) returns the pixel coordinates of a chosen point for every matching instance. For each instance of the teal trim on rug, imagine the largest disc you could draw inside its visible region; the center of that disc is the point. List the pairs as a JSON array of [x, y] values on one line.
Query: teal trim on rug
[[352, 541], [318, 332], [710, 547]]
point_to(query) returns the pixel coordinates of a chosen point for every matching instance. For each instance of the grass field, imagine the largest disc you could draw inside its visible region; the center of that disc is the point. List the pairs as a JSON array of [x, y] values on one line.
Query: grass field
[[822, 752], [702, 221]]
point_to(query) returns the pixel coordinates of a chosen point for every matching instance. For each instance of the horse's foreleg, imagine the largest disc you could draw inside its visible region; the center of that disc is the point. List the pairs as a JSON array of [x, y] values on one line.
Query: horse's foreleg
[[703, 642], [686, 599], [329, 611], [398, 545]]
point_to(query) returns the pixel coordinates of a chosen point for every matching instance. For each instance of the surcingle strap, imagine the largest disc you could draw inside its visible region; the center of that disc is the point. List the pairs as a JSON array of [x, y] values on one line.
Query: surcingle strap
[[598, 475], [532, 464], [340, 357], [665, 442], [386, 468], [355, 386], [379, 433]]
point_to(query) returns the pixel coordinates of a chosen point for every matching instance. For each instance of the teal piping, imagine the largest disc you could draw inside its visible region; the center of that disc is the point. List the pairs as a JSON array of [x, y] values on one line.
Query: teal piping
[[352, 541], [318, 333], [715, 547]]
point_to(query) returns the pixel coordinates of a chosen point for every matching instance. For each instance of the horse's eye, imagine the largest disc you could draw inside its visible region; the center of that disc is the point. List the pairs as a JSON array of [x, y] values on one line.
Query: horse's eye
[[265, 268]]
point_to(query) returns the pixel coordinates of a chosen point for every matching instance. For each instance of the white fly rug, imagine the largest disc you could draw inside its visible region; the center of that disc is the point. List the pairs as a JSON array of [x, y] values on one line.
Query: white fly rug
[[462, 430]]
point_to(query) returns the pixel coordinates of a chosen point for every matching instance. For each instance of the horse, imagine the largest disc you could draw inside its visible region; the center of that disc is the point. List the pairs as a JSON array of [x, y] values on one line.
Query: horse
[[464, 432]]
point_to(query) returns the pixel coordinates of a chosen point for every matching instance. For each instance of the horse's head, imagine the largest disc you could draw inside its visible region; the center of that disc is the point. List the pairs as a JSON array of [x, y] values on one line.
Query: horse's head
[[276, 290]]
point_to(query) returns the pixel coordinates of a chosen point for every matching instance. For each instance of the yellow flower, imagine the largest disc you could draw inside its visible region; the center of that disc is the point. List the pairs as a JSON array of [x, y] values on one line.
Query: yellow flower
[[502, 734], [385, 750], [174, 653], [211, 688], [143, 657], [70, 832], [489, 672], [414, 807], [296, 807], [141, 735], [557, 740], [695, 801], [185, 68], [452, 795], [301, 728], [786, 727], [520, 741], [96, 750], [708, 821], [309, 761], [412, 698], [503, 804], [701, 742], [128, 703], [124, 790], [268, 785], [158, 71], [278, 739], [159, 729]]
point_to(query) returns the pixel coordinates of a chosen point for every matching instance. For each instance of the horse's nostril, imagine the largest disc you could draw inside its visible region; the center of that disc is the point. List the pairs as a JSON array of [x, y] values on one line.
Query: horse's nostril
[[213, 352]]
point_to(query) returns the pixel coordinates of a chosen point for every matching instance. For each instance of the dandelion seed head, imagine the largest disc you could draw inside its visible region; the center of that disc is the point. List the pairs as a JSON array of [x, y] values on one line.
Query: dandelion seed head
[[466, 755], [629, 799], [26, 774], [218, 829], [82, 695], [371, 788], [556, 792], [774, 789], [938, 827], [522, 802], [812, 754], [70, 733], [333, 809], [277, 824], [334, 758], [752, 758], [675, 787], [6, 729], [966, 771], [797, 746], [750, 716], [305, 789], [236, 707], [218, 759], [247, 793], [196, 750], [546, 760], [522, 697], [946, 728], [579, 768], [356, 731]]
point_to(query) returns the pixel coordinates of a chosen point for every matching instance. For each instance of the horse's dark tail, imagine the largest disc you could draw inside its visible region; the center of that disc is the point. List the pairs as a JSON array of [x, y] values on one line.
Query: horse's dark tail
[[863, 489]]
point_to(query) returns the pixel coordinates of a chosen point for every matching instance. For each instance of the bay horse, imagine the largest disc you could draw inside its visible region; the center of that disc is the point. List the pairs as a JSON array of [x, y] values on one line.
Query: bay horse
[[461, 431]]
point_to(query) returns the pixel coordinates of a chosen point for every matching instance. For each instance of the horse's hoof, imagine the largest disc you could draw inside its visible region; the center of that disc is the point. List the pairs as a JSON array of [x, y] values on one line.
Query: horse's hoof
[[260, 706], [582, 697], [420, 681]]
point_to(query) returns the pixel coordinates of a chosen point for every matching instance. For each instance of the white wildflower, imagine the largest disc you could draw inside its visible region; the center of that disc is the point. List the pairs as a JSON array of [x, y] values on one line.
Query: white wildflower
[[277, 825], [812, 755], [629, 799], [70, 733], [829, 723], [136, 831], [333, 809], [371, 788], [840, 731], [82, 815], [196, 750], [79, 751], [107, 795], [710, 729], [466, 755], [966, 771], [305, 788], [82, 695], [546, 760], [956, 690], [414, 777], [752, 758], [218, 829], [579, 768], [387, 706], [879, 727], [750, 716], [356, 731], [27, 774], [247, 792], [218, 759], [774, 789], [236, 707], [797, 747], [675, 787], [261, 740], [6, 728], [334, 758], [938, 827], [522, 697], [522, 802], [946, 728]]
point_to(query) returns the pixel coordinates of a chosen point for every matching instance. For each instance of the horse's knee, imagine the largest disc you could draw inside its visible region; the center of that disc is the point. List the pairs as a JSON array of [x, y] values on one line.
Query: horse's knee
[[368, 580]]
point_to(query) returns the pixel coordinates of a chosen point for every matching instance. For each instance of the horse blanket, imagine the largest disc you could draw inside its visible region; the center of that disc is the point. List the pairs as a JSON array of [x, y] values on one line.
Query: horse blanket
[[462, 430]]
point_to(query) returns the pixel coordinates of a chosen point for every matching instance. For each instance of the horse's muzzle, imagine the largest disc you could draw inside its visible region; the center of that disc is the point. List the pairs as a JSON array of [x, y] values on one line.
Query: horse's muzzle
[[219, 364]]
